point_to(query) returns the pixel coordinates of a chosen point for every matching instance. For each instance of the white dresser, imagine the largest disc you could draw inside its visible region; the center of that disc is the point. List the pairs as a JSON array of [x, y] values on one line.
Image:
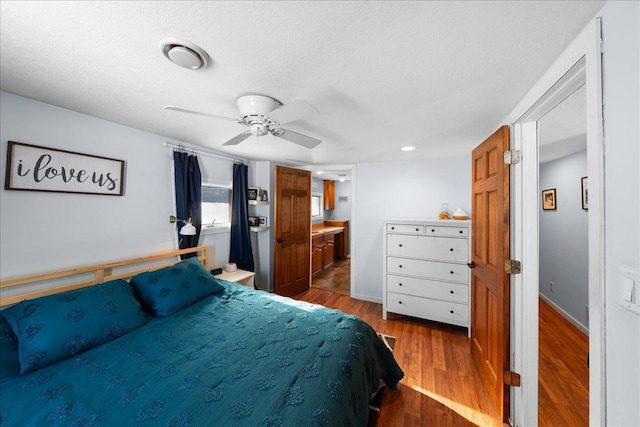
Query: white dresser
[[425, 269]]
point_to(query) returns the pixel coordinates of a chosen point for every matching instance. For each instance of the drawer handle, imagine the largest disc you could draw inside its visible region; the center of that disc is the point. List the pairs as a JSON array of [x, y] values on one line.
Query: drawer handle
[[451, 272], [450, 292], [451, 249], [399, 302], [399, 284], [400, 245], [417, 229], [451, 311], [400, 265], [433, 230], [461, 231], [393, 228]]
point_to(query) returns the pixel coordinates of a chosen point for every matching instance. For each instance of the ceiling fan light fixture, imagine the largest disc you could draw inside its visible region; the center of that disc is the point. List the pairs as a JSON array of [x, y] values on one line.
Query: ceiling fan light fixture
[[184, 53], [408, 148], [263, 115], [256, 105], [259, 129]]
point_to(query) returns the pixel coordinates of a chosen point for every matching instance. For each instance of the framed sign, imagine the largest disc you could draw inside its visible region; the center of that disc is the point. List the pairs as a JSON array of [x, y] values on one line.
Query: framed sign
[[35, 168], [549, 199]]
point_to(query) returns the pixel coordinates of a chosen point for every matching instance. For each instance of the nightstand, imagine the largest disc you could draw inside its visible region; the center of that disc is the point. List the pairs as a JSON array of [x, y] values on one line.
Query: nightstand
[[243, 277]]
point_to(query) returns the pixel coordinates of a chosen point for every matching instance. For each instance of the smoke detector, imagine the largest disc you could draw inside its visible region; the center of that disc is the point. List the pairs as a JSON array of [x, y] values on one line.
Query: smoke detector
[[184, 53]]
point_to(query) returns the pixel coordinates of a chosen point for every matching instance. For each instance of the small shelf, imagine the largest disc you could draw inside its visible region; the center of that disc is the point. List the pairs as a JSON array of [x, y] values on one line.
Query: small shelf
[[259, 229], [258, 202]]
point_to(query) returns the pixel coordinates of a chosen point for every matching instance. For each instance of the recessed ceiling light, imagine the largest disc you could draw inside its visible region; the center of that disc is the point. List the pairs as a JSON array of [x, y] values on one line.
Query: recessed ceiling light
[[408, 148], [319, 172], [184, 53]]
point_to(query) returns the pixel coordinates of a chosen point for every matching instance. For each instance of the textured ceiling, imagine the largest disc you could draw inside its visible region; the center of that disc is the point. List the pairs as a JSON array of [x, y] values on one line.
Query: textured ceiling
[[440, 76]]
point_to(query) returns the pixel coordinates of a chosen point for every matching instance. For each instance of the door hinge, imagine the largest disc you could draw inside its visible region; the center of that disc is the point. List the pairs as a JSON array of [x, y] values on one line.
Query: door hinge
[[511, 157], [512, 266], [512, 379]]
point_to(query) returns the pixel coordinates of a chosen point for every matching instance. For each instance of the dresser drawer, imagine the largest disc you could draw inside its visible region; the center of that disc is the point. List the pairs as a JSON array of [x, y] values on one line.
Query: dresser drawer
[[428, 269], [426, 288], [428, 247], [405, 228], [441, 311], [438, 230]]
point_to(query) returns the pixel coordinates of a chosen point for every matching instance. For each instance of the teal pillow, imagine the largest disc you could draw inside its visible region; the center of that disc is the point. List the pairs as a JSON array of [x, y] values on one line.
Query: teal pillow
[[167, 290], [9, 362], [59, 326]]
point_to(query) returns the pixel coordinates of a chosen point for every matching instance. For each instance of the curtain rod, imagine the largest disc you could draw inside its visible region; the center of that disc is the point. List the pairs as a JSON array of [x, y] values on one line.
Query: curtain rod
[[193, 150]]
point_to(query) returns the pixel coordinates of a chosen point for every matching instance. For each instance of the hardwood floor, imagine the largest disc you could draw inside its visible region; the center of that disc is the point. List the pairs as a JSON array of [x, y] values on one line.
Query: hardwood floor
[[563, 375], [441, 386], [336, 278]]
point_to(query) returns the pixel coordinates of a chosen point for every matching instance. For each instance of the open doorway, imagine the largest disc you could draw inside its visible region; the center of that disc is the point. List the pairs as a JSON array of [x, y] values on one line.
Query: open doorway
[[579, 65], [332, 191], [331, 226], [563, 374]]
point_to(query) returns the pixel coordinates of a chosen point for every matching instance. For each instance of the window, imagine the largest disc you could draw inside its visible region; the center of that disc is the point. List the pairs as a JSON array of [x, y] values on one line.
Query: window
[[315, 206], [216, 205]]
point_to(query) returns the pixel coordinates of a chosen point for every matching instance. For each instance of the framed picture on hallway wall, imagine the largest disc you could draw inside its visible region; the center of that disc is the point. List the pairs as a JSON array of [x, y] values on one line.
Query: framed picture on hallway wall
[[549, 199], [585, 193]]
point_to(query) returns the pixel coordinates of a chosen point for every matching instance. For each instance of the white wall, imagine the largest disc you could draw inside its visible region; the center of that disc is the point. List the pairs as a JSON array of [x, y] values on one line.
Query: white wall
[[564, 248], [342, 210], [43, 231], [261, 175], [621, 88], [410, 189]]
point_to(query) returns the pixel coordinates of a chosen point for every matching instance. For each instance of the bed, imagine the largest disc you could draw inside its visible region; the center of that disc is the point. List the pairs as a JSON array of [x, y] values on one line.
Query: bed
[[183, 352]]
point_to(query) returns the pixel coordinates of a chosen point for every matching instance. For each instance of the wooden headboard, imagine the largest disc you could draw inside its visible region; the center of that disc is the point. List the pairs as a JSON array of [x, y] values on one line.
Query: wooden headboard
[[101, 273]]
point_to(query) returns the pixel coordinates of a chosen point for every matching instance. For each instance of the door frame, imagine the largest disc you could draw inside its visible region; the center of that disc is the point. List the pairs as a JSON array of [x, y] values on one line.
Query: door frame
[[352, 224], [579, 64]]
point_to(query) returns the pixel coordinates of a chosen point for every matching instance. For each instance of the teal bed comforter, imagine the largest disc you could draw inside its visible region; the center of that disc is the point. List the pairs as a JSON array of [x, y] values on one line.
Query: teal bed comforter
[[238, 358]]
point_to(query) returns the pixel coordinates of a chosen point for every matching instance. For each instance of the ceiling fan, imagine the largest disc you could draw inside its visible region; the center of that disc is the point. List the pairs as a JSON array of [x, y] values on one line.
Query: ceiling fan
[[264, 115]]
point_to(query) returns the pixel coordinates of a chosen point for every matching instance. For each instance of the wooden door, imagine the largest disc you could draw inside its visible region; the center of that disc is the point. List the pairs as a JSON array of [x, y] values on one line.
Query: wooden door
[[292, 231], [489, 282]]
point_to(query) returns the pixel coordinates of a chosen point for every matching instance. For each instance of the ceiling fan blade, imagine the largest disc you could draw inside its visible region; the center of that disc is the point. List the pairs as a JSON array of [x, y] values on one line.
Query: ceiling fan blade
[[297, 138], [297, 109], [238, 138], [184, 110]]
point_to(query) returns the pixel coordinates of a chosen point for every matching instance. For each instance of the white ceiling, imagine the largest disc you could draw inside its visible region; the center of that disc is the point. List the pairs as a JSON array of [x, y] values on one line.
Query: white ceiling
[[438, 75]]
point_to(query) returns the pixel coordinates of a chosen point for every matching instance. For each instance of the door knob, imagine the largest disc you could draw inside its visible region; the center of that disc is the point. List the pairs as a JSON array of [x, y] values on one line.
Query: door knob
[[280, 240]]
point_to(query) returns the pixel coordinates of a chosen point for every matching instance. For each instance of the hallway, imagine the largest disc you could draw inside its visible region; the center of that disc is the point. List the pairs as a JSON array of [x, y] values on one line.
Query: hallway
[[563, 378]]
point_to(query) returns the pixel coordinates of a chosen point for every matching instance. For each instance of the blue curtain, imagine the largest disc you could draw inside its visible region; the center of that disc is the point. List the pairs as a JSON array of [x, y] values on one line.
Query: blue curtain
[[240, 252], [188, 183]]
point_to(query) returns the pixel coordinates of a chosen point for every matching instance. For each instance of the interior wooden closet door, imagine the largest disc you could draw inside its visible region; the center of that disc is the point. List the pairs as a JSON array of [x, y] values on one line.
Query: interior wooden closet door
[[292, 234], [489, 282]]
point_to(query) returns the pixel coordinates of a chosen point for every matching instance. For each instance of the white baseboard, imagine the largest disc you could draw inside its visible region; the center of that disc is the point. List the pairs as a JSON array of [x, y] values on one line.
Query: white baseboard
[[566, 315], [367, 298]]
